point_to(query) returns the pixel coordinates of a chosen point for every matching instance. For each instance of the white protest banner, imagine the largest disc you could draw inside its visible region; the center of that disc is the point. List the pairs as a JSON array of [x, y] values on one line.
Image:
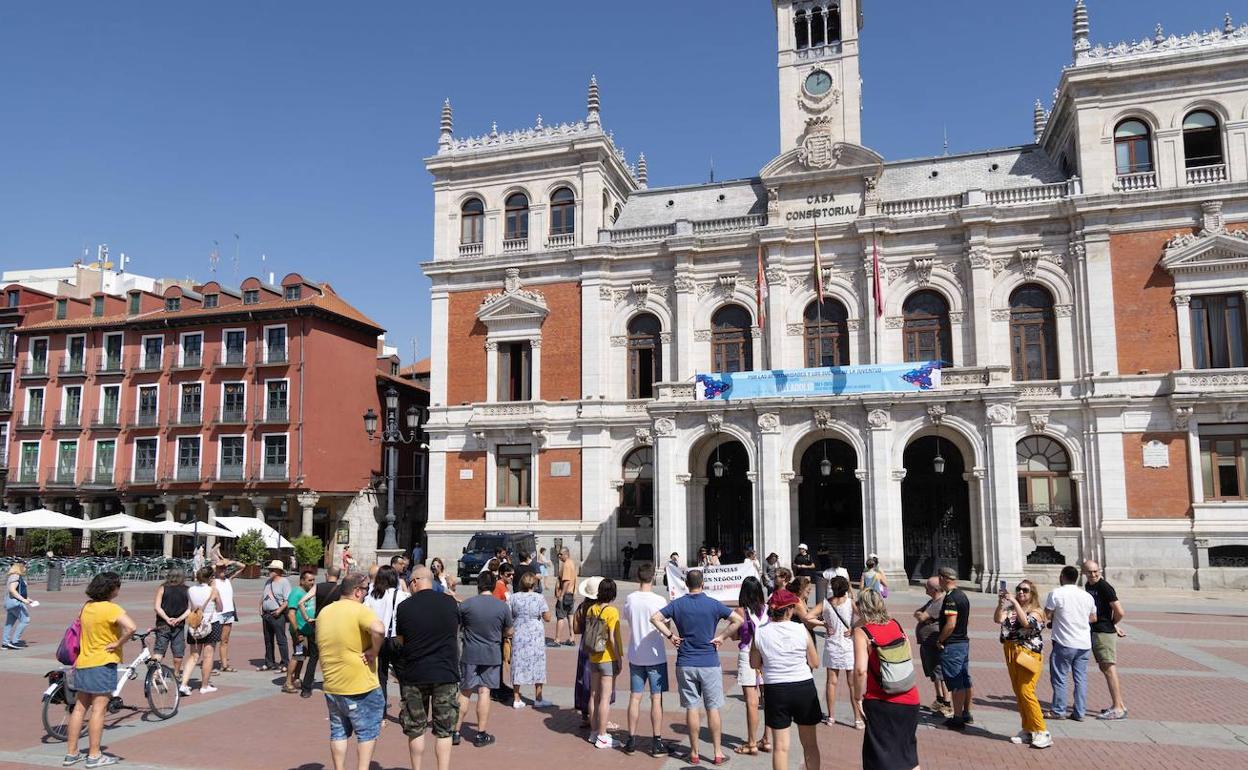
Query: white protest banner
[[722, 582]]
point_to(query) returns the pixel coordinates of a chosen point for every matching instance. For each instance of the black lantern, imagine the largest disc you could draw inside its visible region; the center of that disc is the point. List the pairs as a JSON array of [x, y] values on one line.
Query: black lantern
[[413, 418], [825, 467], [718, 467], [938, 463], [392, 398], [370, 422]]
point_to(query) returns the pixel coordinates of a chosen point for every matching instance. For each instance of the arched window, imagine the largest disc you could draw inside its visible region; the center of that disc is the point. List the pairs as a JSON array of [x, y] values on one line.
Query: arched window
[[732, 345], [801, 30], [562, 212], [1033, 334], [615, 214], [1044, 485], [637, 494], [472, 221], [818, 28], [834, 23], [925, 331], [826, 330], [645, 356], [1202, 140], [1133, 147], [517, 217]]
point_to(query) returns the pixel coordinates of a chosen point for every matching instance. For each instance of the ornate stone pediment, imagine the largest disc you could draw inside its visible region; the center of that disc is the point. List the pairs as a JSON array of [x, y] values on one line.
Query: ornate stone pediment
[[513, 303], [818, 151], [1207, 252]]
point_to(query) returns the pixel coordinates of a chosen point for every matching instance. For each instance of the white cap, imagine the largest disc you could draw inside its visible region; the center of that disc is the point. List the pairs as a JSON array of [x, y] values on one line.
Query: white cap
[[802, 547]]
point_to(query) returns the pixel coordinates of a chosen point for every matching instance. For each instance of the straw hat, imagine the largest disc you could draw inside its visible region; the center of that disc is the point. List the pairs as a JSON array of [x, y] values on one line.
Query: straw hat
[[589, 587], [277, 566]]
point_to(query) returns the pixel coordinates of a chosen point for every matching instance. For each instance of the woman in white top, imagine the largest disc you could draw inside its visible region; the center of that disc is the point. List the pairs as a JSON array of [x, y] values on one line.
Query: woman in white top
[[226, 570], [752, 607], [786, 654], [838, 647], [204, 637], [383, 599]]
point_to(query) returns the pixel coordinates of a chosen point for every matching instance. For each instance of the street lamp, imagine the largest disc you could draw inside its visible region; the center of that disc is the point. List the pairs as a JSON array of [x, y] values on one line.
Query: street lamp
[[718, 467], [825, 467], [938, 462], [391, 437]]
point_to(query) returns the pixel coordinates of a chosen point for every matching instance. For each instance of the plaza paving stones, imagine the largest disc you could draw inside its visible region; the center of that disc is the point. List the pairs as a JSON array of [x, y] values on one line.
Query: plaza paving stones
[[1184, 666]]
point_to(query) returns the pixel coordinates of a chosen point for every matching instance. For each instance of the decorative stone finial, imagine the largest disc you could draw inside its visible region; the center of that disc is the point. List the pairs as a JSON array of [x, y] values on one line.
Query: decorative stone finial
[[1228, 25], [643, 173], [494, 128], [1082, 29], [539, 121], [594, 119], [1039, 119], [1159, 34], [448, 124]]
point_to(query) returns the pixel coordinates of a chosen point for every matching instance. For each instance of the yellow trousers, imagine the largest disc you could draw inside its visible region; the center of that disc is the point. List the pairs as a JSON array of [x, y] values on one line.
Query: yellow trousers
[[1024, 683]]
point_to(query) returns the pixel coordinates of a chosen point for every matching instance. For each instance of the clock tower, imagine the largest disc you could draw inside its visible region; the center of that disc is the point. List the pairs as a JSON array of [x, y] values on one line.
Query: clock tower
[[820, 87]]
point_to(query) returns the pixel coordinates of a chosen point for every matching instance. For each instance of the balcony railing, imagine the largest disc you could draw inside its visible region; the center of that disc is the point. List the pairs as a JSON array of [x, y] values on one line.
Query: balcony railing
[[471, 249], [1051, 516], [273, 472], [149, 364], [747, 222], [145, 418], [102, 478], [4, 456], [1207, 174], [274, 415], [187, 473], [274, 356], [62, 476], [26, 474], [1142, 180], [109, 418], [110, 365], [929, 205], [145, 474], [65, 420], [232, 472], [29, 421], [561, 241], [190, 417], [230, 358], [73, 367], [36, 368], [6, 402], [191, 361], [232, 417], [515, 245]]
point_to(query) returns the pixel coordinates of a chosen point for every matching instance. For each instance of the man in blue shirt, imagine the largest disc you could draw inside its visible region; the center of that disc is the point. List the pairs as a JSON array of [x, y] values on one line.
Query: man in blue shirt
[[698, 671]]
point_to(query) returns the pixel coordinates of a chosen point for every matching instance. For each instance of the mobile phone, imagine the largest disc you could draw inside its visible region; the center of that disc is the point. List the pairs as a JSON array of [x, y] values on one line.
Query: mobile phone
[[1001, 587]]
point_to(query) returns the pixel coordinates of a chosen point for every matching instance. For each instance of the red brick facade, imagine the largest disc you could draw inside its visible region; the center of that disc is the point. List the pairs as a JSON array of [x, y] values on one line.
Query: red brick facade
[[1156, 493], [1148, 336]]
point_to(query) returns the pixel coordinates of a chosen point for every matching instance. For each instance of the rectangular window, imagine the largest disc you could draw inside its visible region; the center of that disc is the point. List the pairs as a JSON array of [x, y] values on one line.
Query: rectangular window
[[153, 348], [513, 465], [274, 458], [67, 462], [1218, 339], [75, 354], [1222, 466], [136, 303], [15, 298], [275, 344], [212, 300], [191, 404], [4, 445], [294, 292], [145, 450], [251, 297], [276, 400], [97, 306], [39, 356], [188, 458], [110, 404], [515, 367], [235, 347], [234, 402], [29, 471], [149, 405], [62, 309], [34, 406], [112, 352], [233, 458], [173, 304], [105, 457], [192, 349], [71, 408]]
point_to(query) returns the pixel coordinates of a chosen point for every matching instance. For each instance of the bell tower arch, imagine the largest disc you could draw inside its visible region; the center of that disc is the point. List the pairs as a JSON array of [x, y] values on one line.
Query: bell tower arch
[[817, 45]]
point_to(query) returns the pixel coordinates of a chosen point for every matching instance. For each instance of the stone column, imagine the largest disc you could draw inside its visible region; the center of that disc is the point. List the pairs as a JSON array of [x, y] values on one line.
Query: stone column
[[882, 526], [130, 508], [980, 260], [1182, 306], [257, 504], [670, 492], [211, 503], [88, 513], [1003, 541], [170, 504], [307, 501], [772, 509], [777, 299], [682, 362]]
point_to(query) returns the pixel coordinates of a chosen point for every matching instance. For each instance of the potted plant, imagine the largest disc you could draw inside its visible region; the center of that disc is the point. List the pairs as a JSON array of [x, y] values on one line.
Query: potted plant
[[252, 552], [41, 541], [104, 544], [309, 550]]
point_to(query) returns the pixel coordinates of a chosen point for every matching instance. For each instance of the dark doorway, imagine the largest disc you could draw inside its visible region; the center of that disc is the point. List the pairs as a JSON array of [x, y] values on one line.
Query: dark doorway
[[935, 510], [830, 504], [729, 502]]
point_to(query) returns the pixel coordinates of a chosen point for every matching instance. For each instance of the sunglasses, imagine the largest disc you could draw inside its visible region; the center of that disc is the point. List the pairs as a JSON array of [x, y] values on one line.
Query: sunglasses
[[1022, 590]]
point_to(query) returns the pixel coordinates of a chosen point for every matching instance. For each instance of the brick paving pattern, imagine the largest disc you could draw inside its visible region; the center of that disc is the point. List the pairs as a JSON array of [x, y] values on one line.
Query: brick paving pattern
[[1184, 667]]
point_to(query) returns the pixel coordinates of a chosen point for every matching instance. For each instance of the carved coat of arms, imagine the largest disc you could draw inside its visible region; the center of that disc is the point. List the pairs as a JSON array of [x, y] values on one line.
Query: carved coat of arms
[[819, 149]]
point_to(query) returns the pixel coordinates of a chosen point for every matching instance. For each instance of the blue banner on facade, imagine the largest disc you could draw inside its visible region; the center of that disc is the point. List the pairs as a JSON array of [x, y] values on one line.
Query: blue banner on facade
[[828, 381]]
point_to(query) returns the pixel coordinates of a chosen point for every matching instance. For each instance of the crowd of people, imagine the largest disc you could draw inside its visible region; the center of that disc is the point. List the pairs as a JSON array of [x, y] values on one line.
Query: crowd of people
[[403, 621]]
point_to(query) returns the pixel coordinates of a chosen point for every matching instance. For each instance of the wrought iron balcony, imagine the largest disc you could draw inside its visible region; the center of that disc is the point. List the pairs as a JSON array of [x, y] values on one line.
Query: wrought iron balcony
[[145, 474], [274, 472], [74, 366], [232, 357], [145, 418], [190, 417], [1048, 516], [191, 361], [274, 356], [110, 365], [109, 418], [36, 368], [187, 473], [232, 472], [29, 421], [232, 417], [274, 415], [67, 421]]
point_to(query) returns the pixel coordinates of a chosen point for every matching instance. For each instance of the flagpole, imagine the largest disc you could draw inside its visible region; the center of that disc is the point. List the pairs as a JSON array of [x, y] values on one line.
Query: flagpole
[[818, 296]]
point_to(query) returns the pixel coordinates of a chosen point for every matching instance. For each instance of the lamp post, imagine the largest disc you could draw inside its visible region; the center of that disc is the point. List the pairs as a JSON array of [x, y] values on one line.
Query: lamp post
[[391, 437]]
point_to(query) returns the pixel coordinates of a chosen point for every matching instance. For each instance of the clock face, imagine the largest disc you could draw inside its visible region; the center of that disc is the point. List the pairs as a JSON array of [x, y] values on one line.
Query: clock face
[[818, 83]]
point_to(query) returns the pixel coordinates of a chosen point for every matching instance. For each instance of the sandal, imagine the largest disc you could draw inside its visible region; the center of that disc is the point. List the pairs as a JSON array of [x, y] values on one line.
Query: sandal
[[694, 759], [719, 761], [859, 724], [764, 746], [286, 689], [228, 670], [265, 667], [747, 748]]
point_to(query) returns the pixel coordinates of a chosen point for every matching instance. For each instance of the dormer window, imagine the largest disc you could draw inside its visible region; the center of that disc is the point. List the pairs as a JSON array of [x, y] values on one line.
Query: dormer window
[[293, 293], [62, 309], [212, 300], [173, 304], [97, 306], [136, 303], [251, 297], [15, 297]]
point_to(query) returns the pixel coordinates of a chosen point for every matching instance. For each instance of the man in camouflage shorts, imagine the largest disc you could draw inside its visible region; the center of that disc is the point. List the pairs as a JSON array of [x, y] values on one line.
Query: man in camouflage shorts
[[427, 625]]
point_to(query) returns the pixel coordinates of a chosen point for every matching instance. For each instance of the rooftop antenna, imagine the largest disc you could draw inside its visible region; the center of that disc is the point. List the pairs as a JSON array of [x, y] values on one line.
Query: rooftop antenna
[[946, 140], [712, 169], [122, 262], [214, 257], [235, 256], [414, 358]]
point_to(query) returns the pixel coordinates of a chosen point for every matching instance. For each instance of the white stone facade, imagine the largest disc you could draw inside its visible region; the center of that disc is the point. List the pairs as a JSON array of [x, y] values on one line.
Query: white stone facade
[[972, 228]]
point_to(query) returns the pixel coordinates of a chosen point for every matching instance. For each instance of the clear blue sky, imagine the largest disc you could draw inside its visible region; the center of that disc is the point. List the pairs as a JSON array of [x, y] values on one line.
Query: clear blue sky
[[159, 127]]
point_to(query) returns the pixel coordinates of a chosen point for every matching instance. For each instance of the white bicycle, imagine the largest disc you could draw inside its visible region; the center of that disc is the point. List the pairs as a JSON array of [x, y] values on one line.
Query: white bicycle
[[160, 685]]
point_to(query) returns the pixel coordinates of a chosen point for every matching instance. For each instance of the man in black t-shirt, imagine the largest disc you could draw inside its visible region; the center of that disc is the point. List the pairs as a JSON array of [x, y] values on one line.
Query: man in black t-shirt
[[1105, 633], [525, 564], [955, 649], [326, 593], [427, 625]]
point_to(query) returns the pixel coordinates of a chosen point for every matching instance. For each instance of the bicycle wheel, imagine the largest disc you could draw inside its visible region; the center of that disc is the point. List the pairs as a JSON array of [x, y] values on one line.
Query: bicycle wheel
[[161, 687], [56, 711]]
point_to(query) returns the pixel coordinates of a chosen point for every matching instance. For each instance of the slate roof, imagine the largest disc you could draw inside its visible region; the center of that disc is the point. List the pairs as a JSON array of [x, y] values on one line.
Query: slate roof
[[1016, 167], [696, 203]]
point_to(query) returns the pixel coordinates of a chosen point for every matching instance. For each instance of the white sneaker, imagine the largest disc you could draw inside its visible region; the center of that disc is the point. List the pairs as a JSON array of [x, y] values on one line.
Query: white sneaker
[[517, 704], [1041, 740], [605, 742], [1022, 738], [185, 690], [207, 689]]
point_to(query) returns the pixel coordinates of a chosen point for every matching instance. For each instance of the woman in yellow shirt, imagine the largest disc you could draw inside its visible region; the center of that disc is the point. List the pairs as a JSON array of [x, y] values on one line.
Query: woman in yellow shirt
[[105, 628], [605, 664]]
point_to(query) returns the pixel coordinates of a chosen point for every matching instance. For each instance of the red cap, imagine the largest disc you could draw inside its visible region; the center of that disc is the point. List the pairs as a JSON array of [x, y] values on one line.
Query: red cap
[[782, 599]]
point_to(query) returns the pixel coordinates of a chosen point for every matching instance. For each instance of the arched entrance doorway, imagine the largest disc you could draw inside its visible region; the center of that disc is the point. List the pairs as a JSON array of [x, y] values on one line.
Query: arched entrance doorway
[[935, 509], [830, 503], [729, 501]]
